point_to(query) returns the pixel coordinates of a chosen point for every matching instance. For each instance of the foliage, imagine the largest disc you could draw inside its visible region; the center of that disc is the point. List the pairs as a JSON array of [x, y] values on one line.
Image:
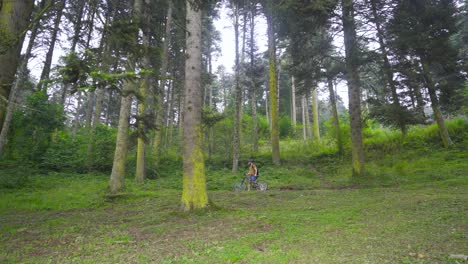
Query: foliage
[[393, 115], [210, 117], [68, 153], [32, 128], [423, 29], [285, 127], [76, 68]]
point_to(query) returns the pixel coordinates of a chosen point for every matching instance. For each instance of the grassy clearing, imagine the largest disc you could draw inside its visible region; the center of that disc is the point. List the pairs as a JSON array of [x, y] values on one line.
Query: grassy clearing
[[411, 209]]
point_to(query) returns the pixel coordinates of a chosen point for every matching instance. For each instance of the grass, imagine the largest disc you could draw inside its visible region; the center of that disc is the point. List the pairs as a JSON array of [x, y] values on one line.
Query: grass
[[411, 209]]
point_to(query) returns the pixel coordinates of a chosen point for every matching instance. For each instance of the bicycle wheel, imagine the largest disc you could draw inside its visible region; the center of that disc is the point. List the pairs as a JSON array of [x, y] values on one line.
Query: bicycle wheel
[[262, 186], [239, 186]]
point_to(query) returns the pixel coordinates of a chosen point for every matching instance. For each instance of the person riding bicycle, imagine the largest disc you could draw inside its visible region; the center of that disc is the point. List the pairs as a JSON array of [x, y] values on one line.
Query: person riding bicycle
[[252, 174]]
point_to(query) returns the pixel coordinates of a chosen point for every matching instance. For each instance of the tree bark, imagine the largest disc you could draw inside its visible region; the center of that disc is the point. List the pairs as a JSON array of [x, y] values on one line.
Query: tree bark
[[336, 119], [161, 117], [273, 87], [307, 116], [315, 114], [443, 132], [42, 86], [354, 87], [293, 101], [117, 179], [140, 173], [238, 94], [14, 18], [304, 118], [252, 77], [194, 194], [22, 73]]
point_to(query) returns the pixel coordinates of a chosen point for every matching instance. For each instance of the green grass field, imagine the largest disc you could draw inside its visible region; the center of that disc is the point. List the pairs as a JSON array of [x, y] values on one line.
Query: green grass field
[[410, 209]]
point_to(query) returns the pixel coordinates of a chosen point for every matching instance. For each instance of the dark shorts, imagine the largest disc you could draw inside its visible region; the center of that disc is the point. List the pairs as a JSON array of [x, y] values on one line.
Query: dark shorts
[[253, 178]]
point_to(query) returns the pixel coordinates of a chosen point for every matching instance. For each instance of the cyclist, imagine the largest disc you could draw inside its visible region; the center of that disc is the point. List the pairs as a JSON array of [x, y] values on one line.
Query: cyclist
[[252, 174]]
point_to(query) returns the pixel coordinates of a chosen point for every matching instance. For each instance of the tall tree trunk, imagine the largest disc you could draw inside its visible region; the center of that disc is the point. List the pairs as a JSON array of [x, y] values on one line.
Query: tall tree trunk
[[336, 120], [14, 19], [117, 179], [252, 77], [273, 87], [315, 114], [98, 96], [22, 74], [307, 115], [91, 95], [98, 99], [89, 109], [42, 86], [75, 39], [387, 68], [293, 101], [194, 194], [354, 87], [237, 95], [304, 117], [443, 132], [78, 24], [160, 116], [140, 173]]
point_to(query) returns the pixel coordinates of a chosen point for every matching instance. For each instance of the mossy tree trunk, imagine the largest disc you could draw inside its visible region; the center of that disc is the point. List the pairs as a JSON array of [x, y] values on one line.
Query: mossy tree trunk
[[315, 114], [237, 94], [443, 132], [140, 173], [194, 194], [336, 119], [14, 18], [117, 179], [272, 84], [22, 73], [354, 87], [304, 117]]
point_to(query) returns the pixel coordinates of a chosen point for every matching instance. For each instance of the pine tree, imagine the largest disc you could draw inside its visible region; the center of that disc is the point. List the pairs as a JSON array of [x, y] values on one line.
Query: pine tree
[[354, 87], [14, 19]]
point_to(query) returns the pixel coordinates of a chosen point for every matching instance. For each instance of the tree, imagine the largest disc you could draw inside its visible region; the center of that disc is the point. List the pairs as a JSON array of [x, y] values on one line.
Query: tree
[[354, 87], [161, 115], [14, 18], [253, 72], [144, 23], [194, 195], [387, 68], [42, 85], [22, 74], [272, 83], [422, 29], [237, 90], [117, 178]]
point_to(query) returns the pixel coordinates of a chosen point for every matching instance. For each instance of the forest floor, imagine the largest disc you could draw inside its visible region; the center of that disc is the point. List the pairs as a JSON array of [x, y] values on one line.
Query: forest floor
[[414, 212]]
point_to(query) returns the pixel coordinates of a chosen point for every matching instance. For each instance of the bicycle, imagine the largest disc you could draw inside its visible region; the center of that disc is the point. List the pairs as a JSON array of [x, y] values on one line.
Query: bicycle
[[256, 185]]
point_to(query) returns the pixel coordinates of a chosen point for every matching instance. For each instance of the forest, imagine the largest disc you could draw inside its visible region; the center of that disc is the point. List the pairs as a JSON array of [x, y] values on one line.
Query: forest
[[126, 136]]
